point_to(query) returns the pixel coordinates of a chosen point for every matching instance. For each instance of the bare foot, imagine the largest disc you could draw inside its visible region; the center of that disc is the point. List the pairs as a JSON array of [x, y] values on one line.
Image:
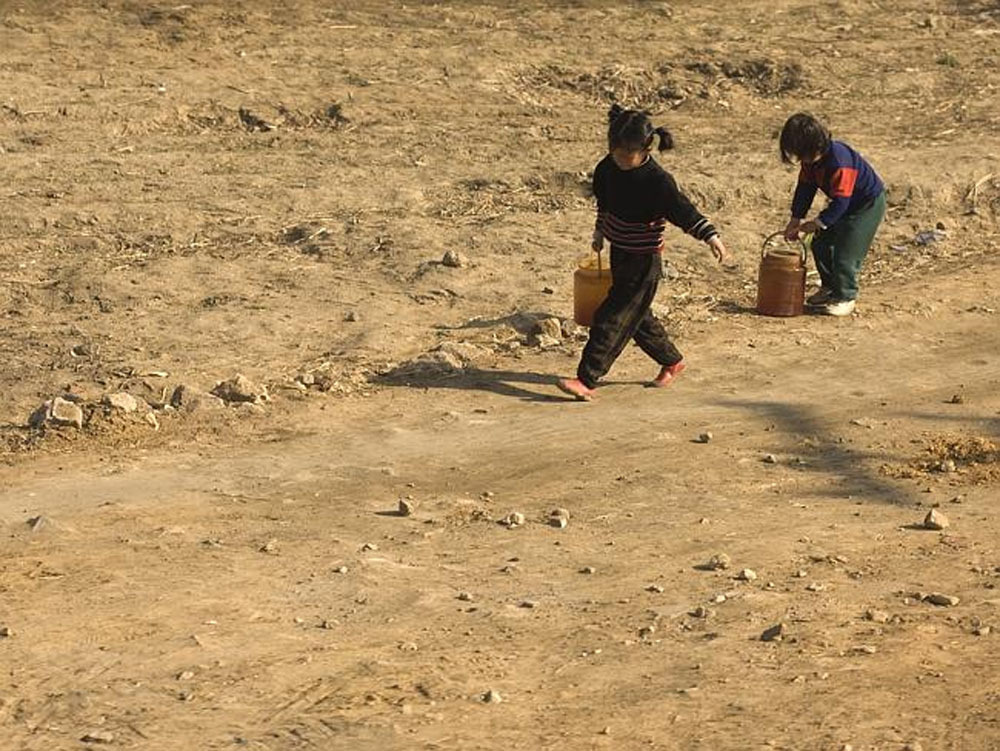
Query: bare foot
[[575, 387]]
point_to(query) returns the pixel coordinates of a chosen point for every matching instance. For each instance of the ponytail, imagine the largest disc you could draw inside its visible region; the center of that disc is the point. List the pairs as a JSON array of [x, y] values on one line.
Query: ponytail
[[633, 130], [666, 139]]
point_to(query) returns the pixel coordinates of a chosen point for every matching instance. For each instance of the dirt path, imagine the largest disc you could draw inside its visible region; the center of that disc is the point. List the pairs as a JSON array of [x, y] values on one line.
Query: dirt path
[[198, 600]]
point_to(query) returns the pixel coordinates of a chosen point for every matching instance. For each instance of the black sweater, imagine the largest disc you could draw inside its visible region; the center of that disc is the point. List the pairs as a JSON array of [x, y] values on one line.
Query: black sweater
[[633, 207]]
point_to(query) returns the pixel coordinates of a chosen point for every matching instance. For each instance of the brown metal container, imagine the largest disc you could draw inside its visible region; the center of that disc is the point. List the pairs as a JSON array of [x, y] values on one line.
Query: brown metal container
[[781, 283]]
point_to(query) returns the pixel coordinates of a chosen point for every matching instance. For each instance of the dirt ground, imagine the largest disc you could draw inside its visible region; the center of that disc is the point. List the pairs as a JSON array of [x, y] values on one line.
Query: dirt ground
[[202, 190]]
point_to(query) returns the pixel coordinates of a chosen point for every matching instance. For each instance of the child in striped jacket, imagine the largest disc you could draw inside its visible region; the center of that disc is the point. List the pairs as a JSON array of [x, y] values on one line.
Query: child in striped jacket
[[636, 198]]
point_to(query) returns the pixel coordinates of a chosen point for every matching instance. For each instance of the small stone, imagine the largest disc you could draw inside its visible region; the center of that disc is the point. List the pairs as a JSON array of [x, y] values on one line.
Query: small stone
[[98, 736], [58, 411], [340, 570], [121, 400], [530, 604], [866, 649], [770, 459], [913, 746], [37, 522], [239, 388], [705, 437], [492, 697], [700, 612], [189, 399], [588, 570], [801, 574], [327, 625], [719, 599], [185, 675], [465, 596], [514, 519], [605, 731], [550, 327], [982, 631], [406, 507], [560, 512], [351, 316], [815, 587], [560, 522], [6, 632], [936, 520], [369, 547], [454, 260], [718, 562], [943, 600], [948, 466], [306, 379], [847, 747], [877, 616], [270, 547], [776, 632], [747, 575], [655, 588], [956, 399], [646, 631]]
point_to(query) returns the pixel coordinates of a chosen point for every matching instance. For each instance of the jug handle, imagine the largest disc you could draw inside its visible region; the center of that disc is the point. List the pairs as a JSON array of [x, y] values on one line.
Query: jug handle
[[781, 233]]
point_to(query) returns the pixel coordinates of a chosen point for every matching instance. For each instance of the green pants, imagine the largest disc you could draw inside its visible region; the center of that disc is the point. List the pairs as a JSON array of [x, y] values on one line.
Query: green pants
[[840, 249]]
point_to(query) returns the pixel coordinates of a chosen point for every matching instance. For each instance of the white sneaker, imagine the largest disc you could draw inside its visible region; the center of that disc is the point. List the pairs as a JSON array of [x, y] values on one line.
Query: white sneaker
[[839, 308], [820, 297]]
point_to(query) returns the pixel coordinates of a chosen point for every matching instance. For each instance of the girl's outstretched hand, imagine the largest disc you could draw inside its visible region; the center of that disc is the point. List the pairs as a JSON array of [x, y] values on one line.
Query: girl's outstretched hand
[[718, 249], [792, 229]]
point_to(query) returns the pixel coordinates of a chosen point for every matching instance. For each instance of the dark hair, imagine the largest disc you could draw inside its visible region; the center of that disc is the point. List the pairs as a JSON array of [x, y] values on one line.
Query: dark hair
[[802, 137], [633, 130]]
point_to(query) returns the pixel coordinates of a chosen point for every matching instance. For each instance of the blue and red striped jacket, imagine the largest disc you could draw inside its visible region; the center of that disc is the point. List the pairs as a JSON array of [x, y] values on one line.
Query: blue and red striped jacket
[[844, 176]]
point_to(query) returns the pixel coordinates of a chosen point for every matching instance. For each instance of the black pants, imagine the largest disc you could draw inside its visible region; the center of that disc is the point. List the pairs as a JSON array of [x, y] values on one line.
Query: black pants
[[625, 315]]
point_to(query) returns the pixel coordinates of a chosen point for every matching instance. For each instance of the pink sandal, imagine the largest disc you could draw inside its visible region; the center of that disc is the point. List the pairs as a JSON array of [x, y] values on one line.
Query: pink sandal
[[668, 373]]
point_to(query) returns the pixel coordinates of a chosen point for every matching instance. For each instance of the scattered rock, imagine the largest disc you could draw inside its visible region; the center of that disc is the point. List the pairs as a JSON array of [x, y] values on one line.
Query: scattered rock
[[701, 612], [914, 746], [776, 632], [59, 412], [865, 649], [6, 632], [306, 379], [340, 570], [351, 316], [492, 697], [190, 399], [559, 517], [655, 588], [705, 437], [947, 466], [406, 507], [936, 520], [982, 630], [747, 575], [770, 459], [956, 399], [369, 547], [121, 400], [718, 562], [185, 675], [815, 587], [530, 604], [877, 616], [465, 596], [270, 547], [646, 631], [37, 522], [937, 598], [239, 388], [513, 519], [569, 328], [544, 341], [801, 574], [454, 260], [588, 570], [98, 736], [550, 327]]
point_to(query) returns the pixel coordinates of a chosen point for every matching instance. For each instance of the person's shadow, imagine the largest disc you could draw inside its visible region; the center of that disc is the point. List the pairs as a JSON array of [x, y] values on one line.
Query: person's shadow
[[501, 382]]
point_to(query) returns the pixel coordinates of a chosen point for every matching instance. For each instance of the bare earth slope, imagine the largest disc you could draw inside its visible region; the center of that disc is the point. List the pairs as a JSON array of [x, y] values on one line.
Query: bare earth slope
[[240, 577]]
